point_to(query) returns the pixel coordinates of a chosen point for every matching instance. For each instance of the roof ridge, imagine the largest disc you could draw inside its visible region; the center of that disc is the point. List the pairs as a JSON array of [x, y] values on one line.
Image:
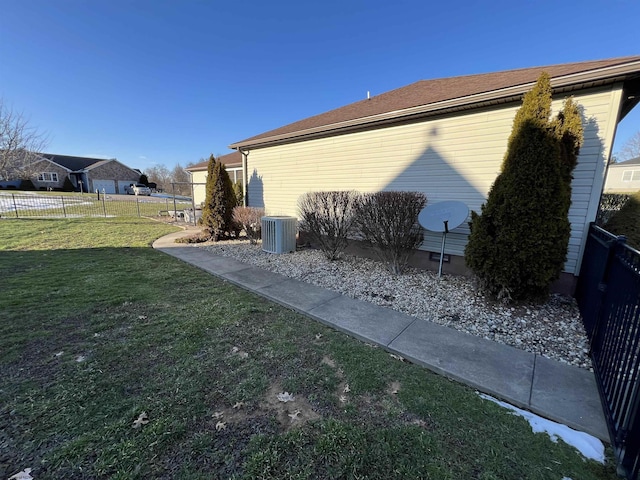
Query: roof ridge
[[538, 67], [428, 97]]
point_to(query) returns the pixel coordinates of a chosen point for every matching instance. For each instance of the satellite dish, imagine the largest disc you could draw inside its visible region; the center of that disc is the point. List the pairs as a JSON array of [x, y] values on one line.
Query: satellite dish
[[442, 217]]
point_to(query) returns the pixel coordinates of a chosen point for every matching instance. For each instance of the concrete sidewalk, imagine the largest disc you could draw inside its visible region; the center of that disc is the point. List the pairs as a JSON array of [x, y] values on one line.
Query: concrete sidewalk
[[556, 391]]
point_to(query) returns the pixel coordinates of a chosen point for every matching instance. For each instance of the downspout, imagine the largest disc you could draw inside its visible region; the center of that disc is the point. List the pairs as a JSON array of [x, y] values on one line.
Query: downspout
[[244, 176]]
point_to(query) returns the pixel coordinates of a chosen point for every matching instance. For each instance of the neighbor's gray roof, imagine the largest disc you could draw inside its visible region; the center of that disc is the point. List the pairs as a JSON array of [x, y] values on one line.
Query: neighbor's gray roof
[[445, 95], [78, 164], [73, 163], [626, 163]]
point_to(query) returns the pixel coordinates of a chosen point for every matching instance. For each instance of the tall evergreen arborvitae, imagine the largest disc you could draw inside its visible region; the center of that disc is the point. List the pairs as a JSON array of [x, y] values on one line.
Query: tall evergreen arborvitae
[[207, 208], [518, 244], [220, 199]]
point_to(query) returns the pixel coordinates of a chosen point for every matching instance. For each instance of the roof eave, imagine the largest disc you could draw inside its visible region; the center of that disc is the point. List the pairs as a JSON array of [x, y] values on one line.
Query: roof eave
[[562, 84]]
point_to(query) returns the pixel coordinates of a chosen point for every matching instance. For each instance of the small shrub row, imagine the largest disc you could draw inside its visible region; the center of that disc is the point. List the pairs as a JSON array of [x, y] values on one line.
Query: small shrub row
[[387, 221], [247, 219]]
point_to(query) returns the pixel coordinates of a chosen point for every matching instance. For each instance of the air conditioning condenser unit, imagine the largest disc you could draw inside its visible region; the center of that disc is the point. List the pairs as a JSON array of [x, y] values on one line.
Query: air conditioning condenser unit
[[279, 234]]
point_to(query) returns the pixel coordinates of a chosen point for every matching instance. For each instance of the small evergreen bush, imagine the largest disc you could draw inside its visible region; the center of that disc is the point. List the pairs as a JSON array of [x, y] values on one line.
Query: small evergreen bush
[[237, 189], [328, 219], [388, 221], [220, 200], [250, 220], [67, 185], [27, 184]]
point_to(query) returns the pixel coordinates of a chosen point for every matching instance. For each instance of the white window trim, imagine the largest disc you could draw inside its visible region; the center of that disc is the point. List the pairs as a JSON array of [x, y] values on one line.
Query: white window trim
[[50, 177]]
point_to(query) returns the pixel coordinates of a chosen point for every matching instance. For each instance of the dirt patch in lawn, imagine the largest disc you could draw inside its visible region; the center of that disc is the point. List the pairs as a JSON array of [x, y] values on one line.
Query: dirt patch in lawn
[[290, 414]]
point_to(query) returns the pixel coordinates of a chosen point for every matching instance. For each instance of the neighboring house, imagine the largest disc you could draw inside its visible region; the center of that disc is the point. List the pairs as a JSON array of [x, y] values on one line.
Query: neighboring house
[[231, 161], [623, 177], [445, 138], [86, 174]]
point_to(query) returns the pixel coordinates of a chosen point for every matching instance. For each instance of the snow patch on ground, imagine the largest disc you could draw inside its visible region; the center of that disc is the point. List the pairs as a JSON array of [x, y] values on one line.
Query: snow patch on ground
[[589, 446], [30, 201]]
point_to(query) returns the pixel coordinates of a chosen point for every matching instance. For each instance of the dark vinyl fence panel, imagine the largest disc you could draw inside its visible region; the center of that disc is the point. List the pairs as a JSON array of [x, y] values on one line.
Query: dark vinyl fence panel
[[608, 294]]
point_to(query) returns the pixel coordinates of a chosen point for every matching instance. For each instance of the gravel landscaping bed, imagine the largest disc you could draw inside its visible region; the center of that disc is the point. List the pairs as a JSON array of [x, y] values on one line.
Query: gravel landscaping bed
[[553, 329]]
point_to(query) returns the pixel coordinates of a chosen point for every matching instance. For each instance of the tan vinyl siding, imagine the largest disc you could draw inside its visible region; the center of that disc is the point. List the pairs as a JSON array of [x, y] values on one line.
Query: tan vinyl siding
[[455, 157], [199, 180]]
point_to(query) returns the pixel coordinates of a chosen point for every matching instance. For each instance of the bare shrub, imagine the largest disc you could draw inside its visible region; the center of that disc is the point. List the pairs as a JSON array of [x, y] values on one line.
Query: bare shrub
[[610, 203], [328, 218], [249, 219], [388, 220]]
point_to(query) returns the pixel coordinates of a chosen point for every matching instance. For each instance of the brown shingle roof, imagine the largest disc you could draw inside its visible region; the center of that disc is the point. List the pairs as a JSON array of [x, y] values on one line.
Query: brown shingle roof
[[233, 159], [444, 94]]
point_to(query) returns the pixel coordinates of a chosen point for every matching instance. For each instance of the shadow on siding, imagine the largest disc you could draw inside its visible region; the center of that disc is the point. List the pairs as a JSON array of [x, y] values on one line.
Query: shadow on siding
[[255, 190]]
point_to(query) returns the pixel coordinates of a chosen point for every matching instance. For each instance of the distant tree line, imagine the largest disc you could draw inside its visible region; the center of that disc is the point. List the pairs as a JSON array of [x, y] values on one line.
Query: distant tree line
[[177, 180]]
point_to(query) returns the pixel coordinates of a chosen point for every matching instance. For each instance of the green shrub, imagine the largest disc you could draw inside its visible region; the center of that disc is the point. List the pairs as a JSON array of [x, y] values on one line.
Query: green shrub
[[196, 238], [67, 185], [237, 189], [626, 221], [144, 180], [328, 219], [518, 244], [220, 200], [388, 221], [27, 184]]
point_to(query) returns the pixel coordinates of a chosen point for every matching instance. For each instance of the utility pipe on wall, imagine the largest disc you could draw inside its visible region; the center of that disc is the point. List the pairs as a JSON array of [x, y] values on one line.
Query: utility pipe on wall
[[244, 176]]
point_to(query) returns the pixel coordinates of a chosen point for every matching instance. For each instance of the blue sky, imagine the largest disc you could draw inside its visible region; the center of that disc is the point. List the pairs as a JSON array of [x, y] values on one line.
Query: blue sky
[[166, 82]]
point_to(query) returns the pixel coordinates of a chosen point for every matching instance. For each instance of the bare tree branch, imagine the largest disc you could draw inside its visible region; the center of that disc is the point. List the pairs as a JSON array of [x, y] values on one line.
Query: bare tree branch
[[160, 175], [631, 149], [20, 145]]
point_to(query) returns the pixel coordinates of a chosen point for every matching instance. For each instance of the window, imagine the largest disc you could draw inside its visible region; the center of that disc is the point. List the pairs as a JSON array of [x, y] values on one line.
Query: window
[[47, 177], [631, 176], [235, 174]]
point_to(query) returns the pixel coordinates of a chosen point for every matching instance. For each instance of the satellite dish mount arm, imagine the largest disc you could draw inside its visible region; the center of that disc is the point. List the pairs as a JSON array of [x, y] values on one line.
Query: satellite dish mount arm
[[444, 236]]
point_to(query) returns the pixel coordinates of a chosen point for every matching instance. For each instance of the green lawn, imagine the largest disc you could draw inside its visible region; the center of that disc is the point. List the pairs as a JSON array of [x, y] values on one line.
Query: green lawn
[[98, 328]]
